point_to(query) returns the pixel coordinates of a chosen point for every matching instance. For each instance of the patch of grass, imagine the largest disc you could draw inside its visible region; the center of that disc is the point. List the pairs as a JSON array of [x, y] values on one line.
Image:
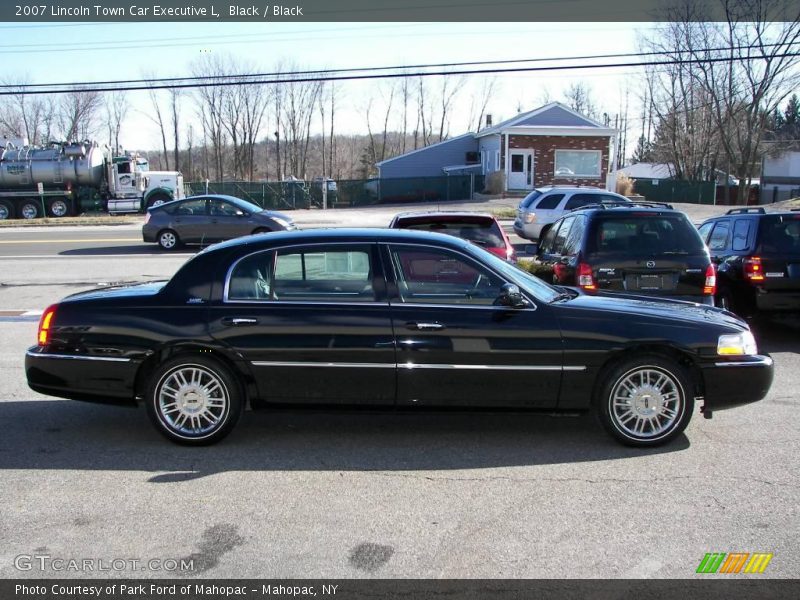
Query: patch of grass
[[82, 220], [534, 267], [504, 213]]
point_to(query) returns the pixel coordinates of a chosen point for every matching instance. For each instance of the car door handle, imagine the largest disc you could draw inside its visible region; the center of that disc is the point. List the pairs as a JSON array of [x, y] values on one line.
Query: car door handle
[[239, 321], [425, 326]]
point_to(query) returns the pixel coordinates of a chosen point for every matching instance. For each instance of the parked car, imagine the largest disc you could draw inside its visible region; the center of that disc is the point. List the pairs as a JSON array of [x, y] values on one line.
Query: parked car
[[758, 259], [208, 219], [544, 205], [479, 228], [392, 319], [637, 248]]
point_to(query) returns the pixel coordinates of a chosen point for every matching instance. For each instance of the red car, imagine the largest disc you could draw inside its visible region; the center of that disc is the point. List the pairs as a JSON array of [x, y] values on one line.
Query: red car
[[481, 229]]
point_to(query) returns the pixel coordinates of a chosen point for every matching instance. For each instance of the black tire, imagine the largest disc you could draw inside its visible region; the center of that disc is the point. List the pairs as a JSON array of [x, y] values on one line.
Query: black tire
[[6, 210], [193, 400], [654, 400], [58, 208], [157, 199], [30, 210], [168, 239]]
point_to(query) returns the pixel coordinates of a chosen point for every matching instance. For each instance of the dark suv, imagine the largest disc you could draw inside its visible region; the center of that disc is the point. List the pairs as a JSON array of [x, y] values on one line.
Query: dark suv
[[637, 248], [758, 259]]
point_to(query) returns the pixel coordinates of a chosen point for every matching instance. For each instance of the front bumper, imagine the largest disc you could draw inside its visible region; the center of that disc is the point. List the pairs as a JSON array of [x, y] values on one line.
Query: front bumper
[[736, 380], [82, 377]]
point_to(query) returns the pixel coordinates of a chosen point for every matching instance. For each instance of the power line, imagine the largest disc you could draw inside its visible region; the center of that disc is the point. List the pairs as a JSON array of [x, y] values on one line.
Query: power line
[[244, 79]]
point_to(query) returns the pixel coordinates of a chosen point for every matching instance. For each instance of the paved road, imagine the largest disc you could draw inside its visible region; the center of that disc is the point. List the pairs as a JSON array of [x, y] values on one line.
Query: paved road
[[365, 495]]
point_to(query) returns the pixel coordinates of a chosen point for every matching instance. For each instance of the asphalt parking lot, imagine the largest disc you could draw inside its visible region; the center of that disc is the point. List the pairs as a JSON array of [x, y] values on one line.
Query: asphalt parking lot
[[324, 494]]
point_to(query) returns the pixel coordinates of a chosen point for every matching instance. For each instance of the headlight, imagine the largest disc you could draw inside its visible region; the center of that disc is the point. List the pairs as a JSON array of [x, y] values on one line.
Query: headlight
[[283, 223], [737, 344]]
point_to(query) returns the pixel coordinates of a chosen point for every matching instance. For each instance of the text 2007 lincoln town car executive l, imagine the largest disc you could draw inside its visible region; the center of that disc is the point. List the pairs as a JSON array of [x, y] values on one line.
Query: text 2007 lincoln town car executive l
[[383, 318]]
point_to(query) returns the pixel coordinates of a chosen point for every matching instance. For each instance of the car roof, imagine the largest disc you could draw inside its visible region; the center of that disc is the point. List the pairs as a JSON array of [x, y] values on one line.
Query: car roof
[[443, 215], [575, 188], [335, 235]]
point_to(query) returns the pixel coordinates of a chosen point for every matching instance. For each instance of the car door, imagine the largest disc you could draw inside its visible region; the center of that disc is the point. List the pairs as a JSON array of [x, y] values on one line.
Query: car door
[[313, 323], [190, 220], [455, 347], [227, 221]]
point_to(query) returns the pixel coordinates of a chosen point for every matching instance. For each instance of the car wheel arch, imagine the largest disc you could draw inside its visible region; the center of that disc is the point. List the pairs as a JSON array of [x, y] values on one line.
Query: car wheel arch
[[237, 367], [682, 357]]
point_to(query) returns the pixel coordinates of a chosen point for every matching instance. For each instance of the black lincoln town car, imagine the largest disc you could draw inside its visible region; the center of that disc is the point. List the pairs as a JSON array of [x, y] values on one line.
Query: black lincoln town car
[[389, 319]]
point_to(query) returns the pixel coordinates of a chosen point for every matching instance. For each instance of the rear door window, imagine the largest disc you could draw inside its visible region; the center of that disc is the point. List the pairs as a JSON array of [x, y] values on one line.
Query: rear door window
[[719, 236], [579, 200], [549, 202], [561, 236], [741, 233], [549, 238], [704, 230], [572, 241]]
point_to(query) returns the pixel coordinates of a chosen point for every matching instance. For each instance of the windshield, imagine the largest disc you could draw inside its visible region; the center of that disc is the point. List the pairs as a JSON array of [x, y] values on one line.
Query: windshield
[[645, 234], [530, 283]]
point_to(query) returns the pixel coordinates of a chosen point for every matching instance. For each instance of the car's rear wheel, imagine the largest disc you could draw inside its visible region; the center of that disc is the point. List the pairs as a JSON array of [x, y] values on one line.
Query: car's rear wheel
[[646, 401], [193, 400], [157, 200], [6, 210], [168, 239]]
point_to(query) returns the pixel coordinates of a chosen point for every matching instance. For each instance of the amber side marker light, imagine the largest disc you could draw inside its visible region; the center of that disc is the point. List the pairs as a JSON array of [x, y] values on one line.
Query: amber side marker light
[[44, 325]]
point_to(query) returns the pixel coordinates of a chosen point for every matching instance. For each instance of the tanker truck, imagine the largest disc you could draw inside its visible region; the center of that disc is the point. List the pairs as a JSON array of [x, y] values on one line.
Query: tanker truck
[[69, 178]]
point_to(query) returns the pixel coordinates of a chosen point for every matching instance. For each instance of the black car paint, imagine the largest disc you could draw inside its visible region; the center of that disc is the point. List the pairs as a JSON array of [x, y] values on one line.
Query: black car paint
[[105, 343], [772, 294], [681, 276]]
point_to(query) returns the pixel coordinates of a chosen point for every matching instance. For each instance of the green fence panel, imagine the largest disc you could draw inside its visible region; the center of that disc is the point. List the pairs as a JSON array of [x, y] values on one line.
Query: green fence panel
[[349, 193], [675, 190]]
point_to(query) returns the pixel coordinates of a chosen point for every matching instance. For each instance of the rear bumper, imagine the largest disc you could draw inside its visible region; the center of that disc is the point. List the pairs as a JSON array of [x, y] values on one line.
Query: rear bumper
[[109, 380], [530, 231], [149, 233], [736, 381]]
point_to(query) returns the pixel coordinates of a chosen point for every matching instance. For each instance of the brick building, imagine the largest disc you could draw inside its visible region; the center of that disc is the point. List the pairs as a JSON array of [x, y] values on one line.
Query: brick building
[[551, 145]]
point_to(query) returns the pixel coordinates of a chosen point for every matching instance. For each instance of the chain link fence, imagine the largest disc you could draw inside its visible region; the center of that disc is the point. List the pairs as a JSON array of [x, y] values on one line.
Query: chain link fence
[[285, 195]]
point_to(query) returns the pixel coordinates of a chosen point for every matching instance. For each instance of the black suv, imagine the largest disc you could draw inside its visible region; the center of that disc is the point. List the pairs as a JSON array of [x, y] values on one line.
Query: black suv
[[758, 259], [638, 248]]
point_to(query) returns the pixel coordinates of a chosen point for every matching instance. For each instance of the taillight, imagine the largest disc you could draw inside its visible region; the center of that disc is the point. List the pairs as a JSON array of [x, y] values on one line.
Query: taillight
[[753, 270], [585, 277], [710, 287], [528, 217], [45, 325]]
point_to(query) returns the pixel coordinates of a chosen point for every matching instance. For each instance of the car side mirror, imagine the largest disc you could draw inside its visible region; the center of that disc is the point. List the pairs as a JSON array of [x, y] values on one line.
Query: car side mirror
[[241, 213], [511, 296]]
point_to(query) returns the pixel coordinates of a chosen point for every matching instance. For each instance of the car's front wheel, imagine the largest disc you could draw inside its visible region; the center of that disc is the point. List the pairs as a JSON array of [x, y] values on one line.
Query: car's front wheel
[[193, 400], [646, 401]]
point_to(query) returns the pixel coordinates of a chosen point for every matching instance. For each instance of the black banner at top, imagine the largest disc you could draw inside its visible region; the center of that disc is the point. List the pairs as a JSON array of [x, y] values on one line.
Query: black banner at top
[[392, 10]]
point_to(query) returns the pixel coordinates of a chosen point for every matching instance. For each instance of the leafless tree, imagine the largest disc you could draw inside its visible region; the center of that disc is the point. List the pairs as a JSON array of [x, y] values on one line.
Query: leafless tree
[[77, 111], [743, 67], [116, 105], [27, 116], [480, 101], [578, 96]]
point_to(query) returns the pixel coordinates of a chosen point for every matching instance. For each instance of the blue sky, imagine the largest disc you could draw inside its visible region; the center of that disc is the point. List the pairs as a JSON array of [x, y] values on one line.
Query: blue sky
[[67, 52]]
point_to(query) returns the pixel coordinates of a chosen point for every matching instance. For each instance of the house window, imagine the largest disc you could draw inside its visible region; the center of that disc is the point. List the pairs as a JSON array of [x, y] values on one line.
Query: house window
[[578, 163]]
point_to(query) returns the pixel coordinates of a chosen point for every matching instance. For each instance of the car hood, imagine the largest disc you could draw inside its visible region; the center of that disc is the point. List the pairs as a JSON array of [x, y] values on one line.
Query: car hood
[[118, 291], [622, 305]]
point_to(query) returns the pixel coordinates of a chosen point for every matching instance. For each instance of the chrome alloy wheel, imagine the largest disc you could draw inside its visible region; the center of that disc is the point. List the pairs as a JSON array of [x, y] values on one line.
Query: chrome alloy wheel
[[192, 401], [646, 402]]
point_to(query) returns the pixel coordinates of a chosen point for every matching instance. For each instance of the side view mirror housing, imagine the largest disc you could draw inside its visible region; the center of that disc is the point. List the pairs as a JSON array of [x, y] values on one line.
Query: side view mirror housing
[[511, 296]]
